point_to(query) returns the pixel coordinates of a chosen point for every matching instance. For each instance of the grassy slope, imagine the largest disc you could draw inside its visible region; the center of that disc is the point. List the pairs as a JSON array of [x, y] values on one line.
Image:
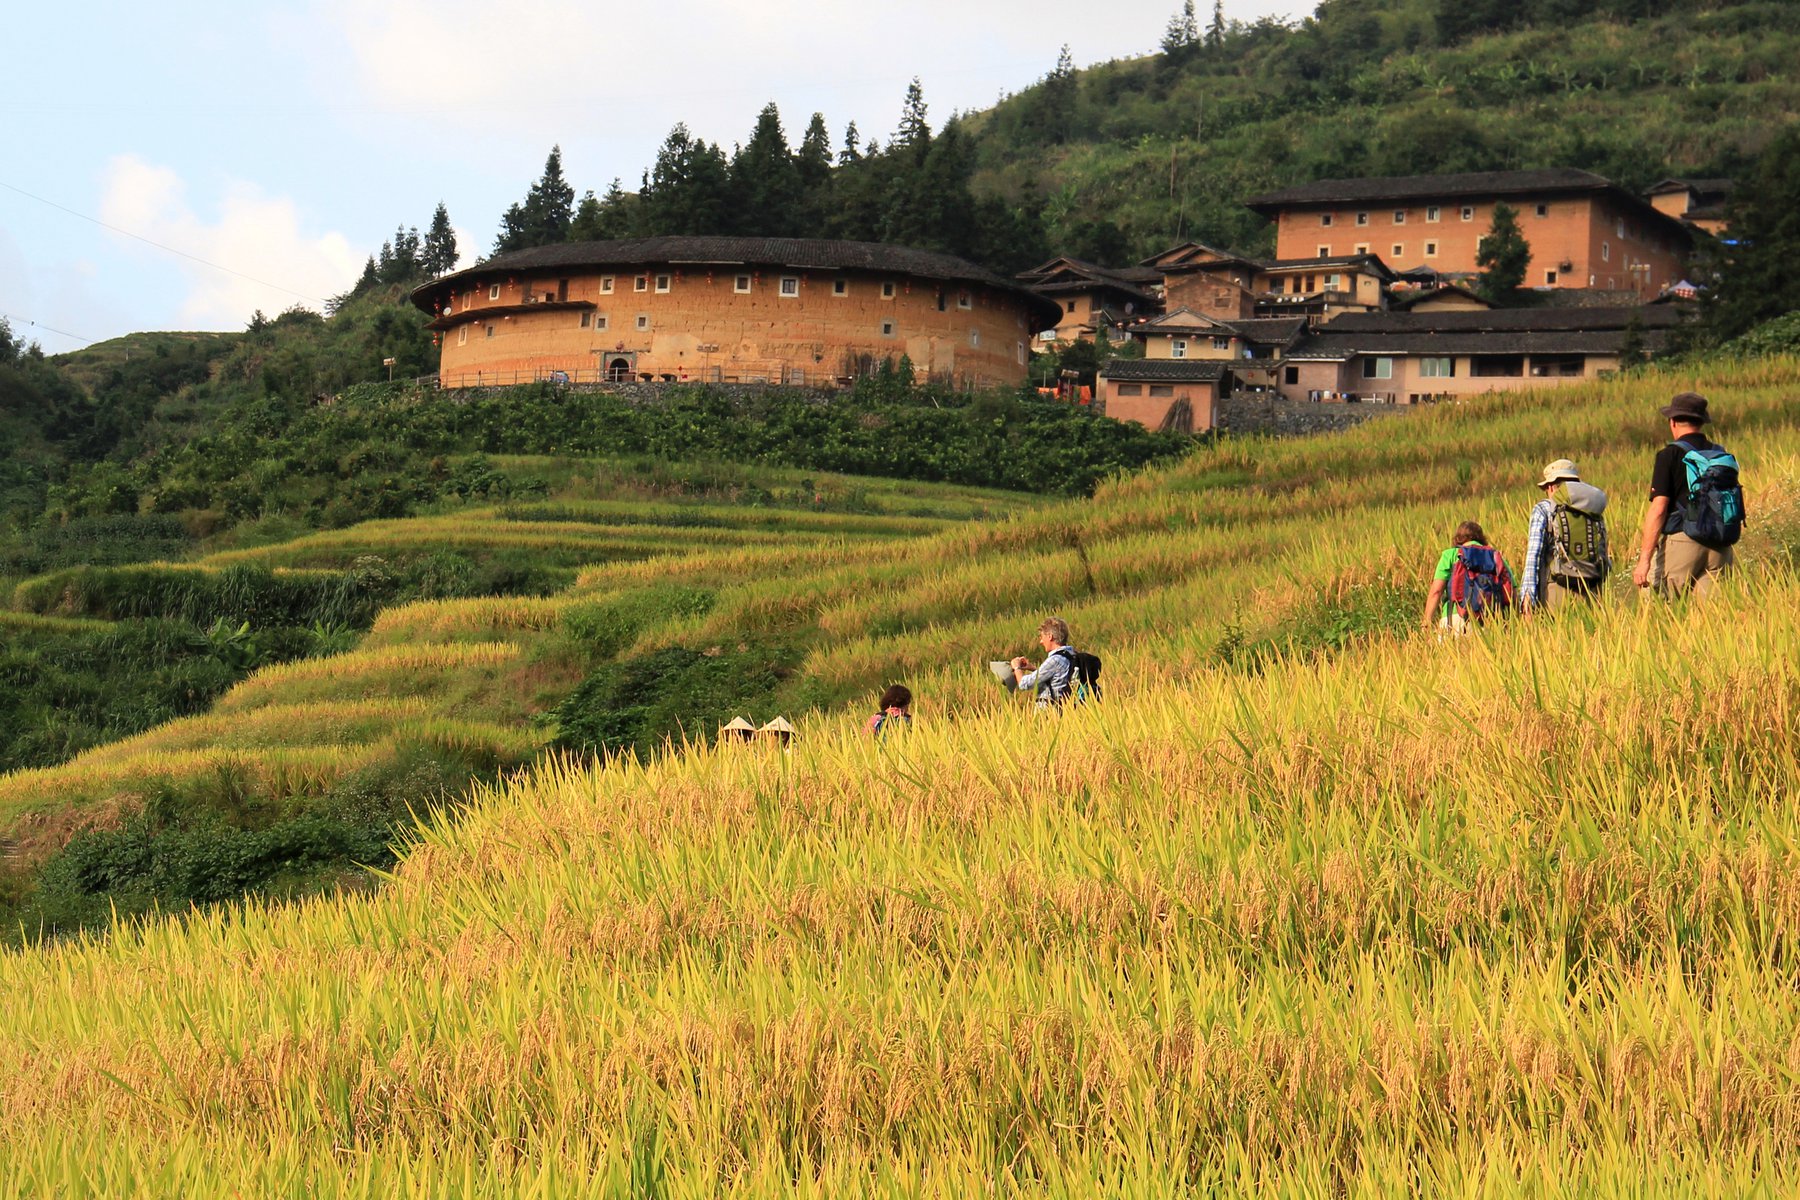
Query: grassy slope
[[1410, 911]]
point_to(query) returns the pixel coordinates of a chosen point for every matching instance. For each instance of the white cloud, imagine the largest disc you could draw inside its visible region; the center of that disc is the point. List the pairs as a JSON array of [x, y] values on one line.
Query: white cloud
[[252, 253]]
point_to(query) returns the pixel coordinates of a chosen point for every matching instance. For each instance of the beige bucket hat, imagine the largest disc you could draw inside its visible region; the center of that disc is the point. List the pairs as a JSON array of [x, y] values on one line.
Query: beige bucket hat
[[1560, 471]]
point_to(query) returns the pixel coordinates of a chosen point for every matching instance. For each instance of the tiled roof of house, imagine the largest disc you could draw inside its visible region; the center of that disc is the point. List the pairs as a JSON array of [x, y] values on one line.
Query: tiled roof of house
[[1698, 186], [1577, 341], [1164, 370], [1272, 330], [801, 254], [1087, 276], [1499, 331], [1183, 318], [1371, 262], [1407, 300], [1505, 320]]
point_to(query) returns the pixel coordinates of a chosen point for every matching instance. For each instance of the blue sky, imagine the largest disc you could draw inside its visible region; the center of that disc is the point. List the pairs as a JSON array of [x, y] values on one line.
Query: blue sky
[[268, 149]]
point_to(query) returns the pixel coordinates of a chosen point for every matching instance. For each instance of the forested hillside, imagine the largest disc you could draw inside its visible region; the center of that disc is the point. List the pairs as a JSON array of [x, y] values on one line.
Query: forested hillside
[[1116, 162], [1133, 156]]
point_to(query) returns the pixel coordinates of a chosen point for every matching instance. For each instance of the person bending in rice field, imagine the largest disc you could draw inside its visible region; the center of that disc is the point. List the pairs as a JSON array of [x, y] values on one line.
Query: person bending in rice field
[[896, 710], [1472, 583], [1566, 555]]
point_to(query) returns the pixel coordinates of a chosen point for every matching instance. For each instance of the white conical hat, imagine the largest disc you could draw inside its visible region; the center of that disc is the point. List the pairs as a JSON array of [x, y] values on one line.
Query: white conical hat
[[738, 725], [778, 725]]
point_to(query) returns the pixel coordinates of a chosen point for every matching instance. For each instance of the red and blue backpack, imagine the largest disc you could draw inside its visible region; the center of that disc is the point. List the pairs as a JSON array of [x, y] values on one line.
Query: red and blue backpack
[[1480, 585]]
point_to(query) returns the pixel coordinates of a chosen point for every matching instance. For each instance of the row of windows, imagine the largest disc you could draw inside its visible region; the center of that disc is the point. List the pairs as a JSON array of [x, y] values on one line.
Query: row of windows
[[1157, 390], [1481, 366], [1434, 213], [1307, 284], [601, 322], [743, 285], [1178, 347], [1399, 251]]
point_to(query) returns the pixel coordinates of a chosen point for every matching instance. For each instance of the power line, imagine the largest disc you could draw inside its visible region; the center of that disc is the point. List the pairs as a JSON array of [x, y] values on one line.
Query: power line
[[51, 328], [169, 249]]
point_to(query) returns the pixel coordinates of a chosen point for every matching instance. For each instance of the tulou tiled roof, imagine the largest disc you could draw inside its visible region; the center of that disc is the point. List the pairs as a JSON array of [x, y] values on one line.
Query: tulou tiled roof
[[1165, 370], [800, 254]]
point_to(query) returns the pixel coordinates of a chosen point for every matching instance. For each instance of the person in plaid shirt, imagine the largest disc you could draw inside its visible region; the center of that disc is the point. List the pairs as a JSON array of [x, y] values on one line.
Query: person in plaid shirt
[[1556, 573]]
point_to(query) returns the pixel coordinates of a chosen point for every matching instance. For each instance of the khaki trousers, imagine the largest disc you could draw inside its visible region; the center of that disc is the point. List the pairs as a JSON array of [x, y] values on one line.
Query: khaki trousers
[[1556, 596], [1682, 565]]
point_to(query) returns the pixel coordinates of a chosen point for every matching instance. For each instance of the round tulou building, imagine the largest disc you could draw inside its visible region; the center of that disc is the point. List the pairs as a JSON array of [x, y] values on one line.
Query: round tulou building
[[729, 310]]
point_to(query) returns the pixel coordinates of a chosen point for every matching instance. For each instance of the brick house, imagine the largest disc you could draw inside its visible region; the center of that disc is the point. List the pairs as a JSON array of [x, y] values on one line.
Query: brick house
[[1165, 394], [1584, 231], [1234, 287], [1698, 202], [1413, 357], [1092, 297]]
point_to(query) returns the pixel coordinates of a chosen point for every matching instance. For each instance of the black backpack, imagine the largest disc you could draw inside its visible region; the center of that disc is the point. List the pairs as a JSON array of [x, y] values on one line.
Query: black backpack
[[1084, 682]]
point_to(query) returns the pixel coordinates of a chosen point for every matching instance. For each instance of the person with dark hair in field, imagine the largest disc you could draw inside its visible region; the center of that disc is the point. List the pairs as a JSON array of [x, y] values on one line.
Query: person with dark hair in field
[[1696, 507], [1065, 674], [1566, 555], [1472, 583], [896, 710]]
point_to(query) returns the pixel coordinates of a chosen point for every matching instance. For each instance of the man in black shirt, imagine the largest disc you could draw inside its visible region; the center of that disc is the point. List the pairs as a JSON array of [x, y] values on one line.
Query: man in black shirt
[[1673, 562]]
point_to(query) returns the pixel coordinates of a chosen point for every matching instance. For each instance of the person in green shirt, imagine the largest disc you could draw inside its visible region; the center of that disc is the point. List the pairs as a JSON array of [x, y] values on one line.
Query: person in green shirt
[[1440, 609]]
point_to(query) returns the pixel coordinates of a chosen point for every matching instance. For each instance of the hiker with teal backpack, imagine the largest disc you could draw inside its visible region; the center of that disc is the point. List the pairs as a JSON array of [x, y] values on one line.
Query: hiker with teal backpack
[[1065, 675], [1471, 586], [1566, 554], [1696, 512]]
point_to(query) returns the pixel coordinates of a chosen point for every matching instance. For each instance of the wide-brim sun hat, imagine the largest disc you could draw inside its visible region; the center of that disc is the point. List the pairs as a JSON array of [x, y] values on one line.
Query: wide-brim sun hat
[[1688, 406], [1560, 471]]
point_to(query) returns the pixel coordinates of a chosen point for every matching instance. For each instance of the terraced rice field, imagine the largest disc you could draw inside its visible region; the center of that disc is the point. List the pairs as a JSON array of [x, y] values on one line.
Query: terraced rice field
[[1365, 912]]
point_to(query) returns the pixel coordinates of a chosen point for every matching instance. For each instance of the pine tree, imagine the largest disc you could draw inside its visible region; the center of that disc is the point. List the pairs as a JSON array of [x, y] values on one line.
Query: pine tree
[[689, 190], [765, 181], [1183, 33], [1215, 32], [1055, 117], [439, 254], [544, 217], [588, 216], [851, 153], [1503, 256], [913, 137], [813, 158], [618, 213]]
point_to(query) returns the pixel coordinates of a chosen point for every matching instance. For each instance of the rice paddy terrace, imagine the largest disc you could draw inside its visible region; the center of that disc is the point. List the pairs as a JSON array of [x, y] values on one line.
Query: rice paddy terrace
[[1313, 904]]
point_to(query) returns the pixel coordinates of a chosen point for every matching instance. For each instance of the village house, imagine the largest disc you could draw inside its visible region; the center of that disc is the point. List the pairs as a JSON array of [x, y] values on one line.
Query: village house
[[1438, 296], [1584, 231], [1093, 299], [729, 310], [1190, 362], [1234, 287], [1417, 357], [1698, 202], [1163, 394]]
